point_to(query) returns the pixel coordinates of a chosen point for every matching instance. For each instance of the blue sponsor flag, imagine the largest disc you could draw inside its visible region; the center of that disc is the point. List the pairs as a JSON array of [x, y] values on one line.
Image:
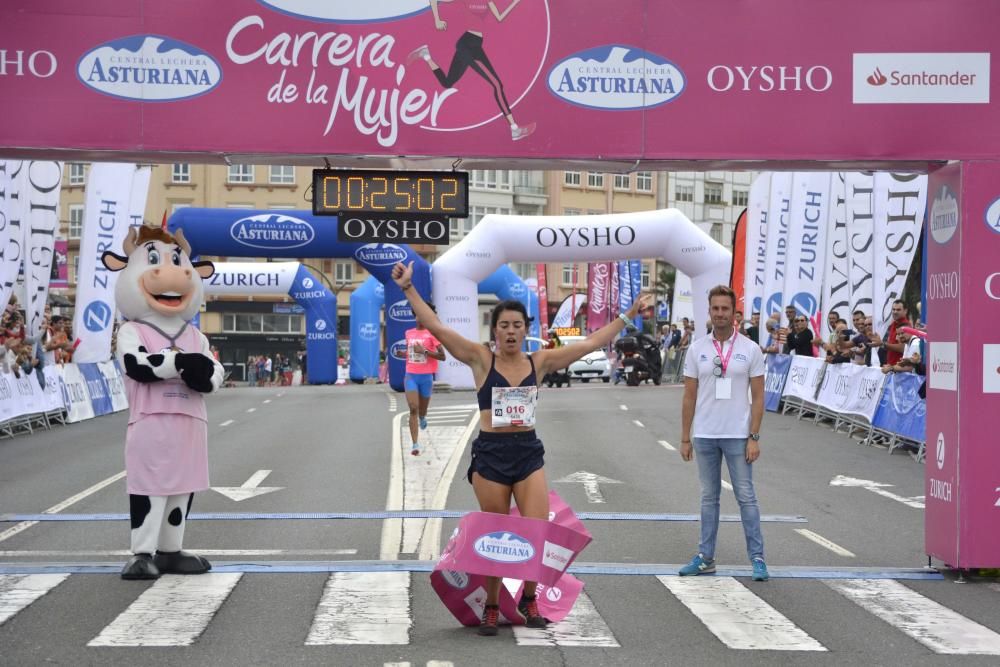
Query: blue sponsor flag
[[774, 379]]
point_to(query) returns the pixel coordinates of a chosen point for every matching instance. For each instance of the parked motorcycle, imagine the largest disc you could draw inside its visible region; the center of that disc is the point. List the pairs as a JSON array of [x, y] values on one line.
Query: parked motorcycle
[[639, 356]]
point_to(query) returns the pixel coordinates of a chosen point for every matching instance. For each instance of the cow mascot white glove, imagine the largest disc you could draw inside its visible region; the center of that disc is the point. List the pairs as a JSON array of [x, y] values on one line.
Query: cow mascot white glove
[[168, 368]]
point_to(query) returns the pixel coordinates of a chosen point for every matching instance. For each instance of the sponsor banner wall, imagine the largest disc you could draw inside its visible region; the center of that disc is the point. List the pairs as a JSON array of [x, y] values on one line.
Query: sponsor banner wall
[[105, 223], [979, 368], [756, 247], [638, 74], [77, 398], [946, 285], [41, 226], [836, 275], [859, 208], [774, 379], [851, 389], [806, 260], [805, 374], [115, 383], [899, 219], [97, 389], [778, 218], [901, 410], [54, 391]]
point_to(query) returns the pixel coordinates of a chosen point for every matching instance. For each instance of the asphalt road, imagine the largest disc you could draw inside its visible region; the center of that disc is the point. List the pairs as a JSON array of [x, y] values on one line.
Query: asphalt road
[[338, 449]]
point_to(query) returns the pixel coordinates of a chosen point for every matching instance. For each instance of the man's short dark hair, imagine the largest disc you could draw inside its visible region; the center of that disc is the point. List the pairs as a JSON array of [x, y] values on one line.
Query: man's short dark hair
[[842, 320], [859, 312], [835, 314], [56, 319], [902, 303], [722, 290]]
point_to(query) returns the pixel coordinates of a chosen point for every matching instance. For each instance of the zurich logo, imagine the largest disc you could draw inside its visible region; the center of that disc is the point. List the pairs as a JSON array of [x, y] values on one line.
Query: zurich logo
[[272, 231], [149, 68], [773, 304], [401, 311], [993, 216], [516, 290], [349, 12], [616, 77], [368, 331], [97, 316], [805, 303], [398, 350], [380, 254], [320, 325], [504, 547], [307, 283]]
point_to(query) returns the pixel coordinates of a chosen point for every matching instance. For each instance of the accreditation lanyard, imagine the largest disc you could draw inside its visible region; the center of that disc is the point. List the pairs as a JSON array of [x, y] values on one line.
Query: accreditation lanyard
[[724, 360]]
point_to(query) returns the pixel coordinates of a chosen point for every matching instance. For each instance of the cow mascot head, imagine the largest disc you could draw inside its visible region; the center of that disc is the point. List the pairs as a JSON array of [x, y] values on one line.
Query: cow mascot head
[[168, 368]]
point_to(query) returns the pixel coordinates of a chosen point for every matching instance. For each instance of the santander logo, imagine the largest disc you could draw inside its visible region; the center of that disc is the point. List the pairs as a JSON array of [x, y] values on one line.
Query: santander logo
[[877, 78]]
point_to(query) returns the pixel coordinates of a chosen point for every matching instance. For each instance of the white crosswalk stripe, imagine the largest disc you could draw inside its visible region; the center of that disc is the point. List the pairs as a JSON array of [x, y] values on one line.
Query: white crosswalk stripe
[[583, 627], [172, 612], [739, 618], [935, 626], [374, 608], [363, 608], [17, 591]]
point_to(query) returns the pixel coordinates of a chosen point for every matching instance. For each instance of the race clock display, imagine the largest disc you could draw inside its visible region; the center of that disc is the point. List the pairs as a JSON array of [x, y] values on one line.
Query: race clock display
[[388, 194]]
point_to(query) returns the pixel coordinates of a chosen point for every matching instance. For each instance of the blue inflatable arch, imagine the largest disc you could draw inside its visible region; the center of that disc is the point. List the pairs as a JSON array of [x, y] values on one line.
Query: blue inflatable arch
[[294, 234]]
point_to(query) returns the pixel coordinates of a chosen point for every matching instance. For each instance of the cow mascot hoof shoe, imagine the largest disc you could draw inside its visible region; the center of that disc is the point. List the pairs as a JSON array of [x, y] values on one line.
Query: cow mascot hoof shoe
[[168, 368], [180, 562], [140, 566]]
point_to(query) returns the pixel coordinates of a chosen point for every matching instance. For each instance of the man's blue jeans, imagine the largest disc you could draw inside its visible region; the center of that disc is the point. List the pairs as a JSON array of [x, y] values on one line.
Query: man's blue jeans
[[708, 454]]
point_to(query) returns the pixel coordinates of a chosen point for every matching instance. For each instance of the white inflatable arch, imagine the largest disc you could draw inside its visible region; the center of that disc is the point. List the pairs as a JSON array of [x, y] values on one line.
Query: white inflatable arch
[[501, 239]]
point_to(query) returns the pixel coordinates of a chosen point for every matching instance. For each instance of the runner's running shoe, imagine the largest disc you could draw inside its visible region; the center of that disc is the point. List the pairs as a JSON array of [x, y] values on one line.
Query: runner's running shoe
[[521, 131], [760, 570], [417, 53], [528, 607], [423, 423], [491, 614]]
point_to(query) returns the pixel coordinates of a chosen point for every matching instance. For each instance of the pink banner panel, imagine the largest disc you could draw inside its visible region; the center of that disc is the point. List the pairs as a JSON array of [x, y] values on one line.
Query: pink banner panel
[[946, 226], [536, 79], [979, 367]]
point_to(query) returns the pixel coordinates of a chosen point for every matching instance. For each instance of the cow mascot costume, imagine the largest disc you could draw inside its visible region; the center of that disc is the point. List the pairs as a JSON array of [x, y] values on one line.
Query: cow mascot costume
[[168, 367]]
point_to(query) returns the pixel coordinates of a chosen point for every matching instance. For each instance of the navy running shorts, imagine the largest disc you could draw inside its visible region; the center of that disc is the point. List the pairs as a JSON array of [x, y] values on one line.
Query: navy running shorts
[[506, 458]]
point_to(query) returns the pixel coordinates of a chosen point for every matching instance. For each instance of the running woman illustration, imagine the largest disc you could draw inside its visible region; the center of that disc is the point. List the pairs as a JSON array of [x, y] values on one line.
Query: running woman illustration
[[469, 54]]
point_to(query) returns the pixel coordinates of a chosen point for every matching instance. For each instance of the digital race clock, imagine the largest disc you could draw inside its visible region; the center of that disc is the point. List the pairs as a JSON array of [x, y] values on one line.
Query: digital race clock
[[386, 194]]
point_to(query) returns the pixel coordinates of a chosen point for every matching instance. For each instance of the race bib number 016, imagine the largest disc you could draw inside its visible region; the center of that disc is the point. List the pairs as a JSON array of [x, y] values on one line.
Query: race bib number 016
[[514, 406]]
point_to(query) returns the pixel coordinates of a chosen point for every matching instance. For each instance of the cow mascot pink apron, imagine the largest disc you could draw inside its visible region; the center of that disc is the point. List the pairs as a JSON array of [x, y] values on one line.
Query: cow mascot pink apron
[[168, 368]]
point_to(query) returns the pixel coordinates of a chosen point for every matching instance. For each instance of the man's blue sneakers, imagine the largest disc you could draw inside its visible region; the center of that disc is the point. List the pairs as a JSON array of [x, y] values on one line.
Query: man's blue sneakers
[[698, 565], [760, 570]]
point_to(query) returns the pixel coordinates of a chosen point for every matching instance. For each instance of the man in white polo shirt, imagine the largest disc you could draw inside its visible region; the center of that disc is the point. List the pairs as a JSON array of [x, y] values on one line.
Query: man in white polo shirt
[[722, 411]]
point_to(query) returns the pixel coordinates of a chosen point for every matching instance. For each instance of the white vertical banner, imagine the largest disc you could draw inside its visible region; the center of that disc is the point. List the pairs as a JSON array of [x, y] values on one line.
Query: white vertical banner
[[105, 222], [756, 246], [779, 208], [12, 234], [683, 305], [899, 218], [860, 212], [836, 276], [42, 223], [807, 245], [138, 195]]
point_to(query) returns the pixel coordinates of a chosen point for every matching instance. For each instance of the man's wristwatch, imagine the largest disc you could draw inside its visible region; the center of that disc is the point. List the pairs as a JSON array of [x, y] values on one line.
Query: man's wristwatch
[[755, 436]]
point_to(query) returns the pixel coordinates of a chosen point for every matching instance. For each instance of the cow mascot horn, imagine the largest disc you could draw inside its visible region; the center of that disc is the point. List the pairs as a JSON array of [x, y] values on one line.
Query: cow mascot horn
[[168, 369]]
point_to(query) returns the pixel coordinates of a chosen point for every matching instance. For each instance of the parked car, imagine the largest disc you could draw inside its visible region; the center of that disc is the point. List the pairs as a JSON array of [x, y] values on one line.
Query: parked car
[[594, 366]]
